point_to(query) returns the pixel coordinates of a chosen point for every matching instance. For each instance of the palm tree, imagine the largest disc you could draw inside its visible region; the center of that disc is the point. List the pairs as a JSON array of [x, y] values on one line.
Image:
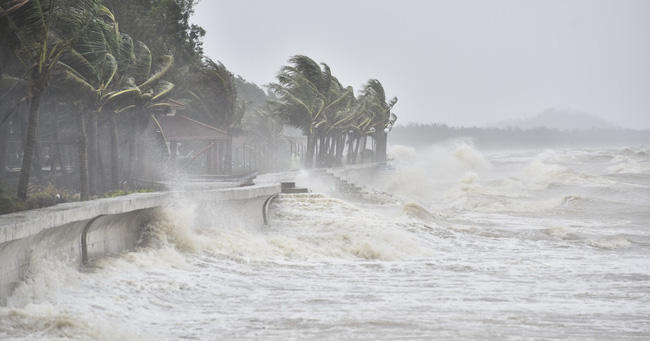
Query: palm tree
[[95, 65], [13, 87], [337, 117], [266, 131], [39, 32], [378, 111], [139, 91], [299, 104], [216, 96], [308, 95]]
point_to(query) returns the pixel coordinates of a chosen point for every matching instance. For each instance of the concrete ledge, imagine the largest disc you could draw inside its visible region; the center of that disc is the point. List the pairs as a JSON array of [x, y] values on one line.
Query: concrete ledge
[[234, 207], [239, 193], [81, 231], [28, 223]]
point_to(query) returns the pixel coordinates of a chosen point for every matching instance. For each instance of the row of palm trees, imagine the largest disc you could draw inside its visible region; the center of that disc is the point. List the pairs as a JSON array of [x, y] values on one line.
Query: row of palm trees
[[310, 98], [72, 53]]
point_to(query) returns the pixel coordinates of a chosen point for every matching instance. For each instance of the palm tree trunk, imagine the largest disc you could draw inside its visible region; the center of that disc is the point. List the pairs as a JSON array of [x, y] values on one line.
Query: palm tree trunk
[[92, 151], [361, 147], [322, 152], [380, 152], [102, 172], [30, 143], [355, 150], [228, 158], [340, 145], [331, 158], [37, 168], [350, 148], [115, 176], [132, 150], [384, 146], [317, 148], [311, 148], [4, 139], [82, 149], [57, 151]]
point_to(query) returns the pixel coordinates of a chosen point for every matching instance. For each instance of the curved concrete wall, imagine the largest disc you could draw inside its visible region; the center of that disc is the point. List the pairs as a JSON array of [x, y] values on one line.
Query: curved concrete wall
[[79, 232], [233, 207]]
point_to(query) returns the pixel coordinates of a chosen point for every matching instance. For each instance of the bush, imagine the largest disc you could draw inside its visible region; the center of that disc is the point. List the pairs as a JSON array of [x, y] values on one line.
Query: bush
[[43, 199], [121, 192], [45, 196], [9, 204], [38, 197]]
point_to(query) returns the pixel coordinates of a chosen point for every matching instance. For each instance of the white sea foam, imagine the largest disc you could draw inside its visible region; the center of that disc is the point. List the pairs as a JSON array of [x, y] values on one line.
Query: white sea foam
[[610, 243], [422, 176], [44, 276], [558, 231], [312, 228], [522, 245]]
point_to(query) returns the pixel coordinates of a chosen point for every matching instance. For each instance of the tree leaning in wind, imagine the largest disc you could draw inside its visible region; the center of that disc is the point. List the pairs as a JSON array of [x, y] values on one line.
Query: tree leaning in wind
[[140, 92], [307, 96], [38, 32], [378, 110], [215, 95], [84, 74]]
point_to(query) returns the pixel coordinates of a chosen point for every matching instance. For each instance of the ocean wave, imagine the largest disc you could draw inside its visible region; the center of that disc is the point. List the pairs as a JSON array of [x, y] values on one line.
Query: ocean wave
[[609, 243], [319, 226], [47, 321], [624, 165]]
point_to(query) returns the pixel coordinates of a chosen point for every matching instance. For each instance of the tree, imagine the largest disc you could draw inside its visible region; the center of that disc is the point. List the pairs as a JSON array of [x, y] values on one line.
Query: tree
[[38, 32], [215, 95], [140, 91], [96, 64], [164, 26], [307, 96], [378, 110]]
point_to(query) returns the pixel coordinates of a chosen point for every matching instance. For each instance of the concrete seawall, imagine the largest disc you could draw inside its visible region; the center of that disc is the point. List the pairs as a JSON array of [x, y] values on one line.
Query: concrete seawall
[[81, 231]]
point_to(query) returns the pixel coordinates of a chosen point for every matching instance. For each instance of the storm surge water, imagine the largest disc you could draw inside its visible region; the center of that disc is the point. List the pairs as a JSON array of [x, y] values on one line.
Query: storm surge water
[[450, 244]]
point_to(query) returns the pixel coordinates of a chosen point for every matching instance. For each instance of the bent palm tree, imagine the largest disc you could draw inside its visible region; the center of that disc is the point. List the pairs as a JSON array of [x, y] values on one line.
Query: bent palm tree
[[89, 68], [140, 91], [378, 111], [39, 32], [215, 94], [308, 97]]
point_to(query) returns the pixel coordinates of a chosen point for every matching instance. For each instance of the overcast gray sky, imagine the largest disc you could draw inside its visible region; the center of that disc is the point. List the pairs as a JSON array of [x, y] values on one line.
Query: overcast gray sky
[[455, 62]]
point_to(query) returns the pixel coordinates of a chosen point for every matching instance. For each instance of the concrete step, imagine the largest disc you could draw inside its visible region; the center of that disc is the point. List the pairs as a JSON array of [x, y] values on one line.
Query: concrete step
[[295, 190], [285, 185]]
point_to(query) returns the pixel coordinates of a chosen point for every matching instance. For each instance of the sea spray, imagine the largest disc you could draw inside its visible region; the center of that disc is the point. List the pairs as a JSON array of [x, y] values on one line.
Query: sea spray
[[549, 253]]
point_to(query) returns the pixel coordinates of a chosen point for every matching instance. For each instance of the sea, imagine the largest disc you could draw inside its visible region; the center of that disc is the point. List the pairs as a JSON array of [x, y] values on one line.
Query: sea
[[449, 243]]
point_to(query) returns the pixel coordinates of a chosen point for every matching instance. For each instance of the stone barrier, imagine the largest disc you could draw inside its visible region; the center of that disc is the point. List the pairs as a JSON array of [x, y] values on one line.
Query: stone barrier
[[81, 231]]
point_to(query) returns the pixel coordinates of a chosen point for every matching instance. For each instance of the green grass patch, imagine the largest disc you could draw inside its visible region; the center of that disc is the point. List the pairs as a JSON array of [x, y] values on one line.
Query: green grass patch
[[122, 192]]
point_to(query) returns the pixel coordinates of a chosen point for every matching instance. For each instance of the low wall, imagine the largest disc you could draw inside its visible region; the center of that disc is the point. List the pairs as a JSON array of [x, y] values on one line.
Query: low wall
[[81, 231], [365, 174], [232, 207]]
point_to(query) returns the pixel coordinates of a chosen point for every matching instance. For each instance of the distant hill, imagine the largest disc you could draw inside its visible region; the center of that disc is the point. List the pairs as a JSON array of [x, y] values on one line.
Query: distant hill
[[559, 119]]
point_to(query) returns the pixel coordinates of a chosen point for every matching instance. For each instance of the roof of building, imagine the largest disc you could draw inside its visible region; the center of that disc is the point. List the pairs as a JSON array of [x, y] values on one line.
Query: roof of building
[[181, 128]]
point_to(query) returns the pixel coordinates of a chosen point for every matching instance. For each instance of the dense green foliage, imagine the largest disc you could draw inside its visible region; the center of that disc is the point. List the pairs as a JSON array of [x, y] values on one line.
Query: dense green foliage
[[72, 54], [38, 33], [164, 25], [9, 204], [310, 98], [95, 74]]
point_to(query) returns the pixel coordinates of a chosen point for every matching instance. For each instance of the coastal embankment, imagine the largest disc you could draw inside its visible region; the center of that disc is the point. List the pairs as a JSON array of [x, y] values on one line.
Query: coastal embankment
[[81, 231]]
